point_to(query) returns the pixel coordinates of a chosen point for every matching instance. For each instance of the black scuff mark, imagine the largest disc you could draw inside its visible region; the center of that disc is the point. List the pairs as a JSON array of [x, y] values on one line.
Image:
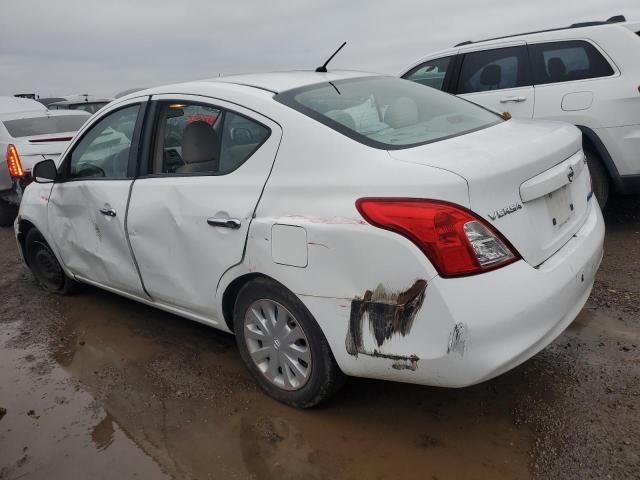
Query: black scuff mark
[[388, 314], [458, 339]]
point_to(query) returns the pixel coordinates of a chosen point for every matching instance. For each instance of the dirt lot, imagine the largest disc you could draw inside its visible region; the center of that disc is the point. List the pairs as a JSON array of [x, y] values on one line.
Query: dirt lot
[[96, 386]]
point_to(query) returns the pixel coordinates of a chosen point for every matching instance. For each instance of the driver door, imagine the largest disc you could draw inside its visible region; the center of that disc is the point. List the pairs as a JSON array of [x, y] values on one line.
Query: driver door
[[88, 207]]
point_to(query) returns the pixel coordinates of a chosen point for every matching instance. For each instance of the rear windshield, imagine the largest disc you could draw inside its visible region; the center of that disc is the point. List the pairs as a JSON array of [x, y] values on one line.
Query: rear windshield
[[388, 112], [27, 127]]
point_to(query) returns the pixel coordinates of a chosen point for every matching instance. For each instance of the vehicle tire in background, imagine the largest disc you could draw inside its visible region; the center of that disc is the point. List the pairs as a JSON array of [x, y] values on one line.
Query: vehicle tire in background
[[45, 266], [599, 177], [283, 346], [8, 214]]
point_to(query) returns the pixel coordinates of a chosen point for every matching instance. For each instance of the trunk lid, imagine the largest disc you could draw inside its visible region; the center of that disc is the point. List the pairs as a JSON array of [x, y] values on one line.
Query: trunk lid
[[529, 179], [34, 148]]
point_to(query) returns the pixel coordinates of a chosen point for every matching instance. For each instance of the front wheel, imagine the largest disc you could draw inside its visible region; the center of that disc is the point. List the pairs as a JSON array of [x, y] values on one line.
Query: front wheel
[[283, 346], [45, 266]]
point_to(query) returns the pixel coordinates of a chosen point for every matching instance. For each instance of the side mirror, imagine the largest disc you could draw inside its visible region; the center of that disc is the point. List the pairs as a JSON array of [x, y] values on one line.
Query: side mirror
[[45, 171]]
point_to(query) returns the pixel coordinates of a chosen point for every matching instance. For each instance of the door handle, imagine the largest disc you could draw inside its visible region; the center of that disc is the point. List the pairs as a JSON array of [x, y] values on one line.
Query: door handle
[[513, 99], [109, 212], [232, 223]]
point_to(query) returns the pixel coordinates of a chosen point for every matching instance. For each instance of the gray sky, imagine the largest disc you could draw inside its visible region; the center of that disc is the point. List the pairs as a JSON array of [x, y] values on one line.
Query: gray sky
[[60, 47]]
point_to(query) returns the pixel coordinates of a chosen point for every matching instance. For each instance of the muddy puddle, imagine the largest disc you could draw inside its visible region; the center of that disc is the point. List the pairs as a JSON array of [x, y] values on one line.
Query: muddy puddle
[[172, 396]]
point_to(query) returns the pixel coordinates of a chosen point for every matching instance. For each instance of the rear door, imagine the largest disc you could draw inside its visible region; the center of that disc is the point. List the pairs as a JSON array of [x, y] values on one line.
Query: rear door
[[573, 79], [190, 211], [498, 78], [88, 207]]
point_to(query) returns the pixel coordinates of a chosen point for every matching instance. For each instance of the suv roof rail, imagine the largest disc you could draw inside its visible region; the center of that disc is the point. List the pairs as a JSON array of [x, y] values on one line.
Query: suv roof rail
[[614, 19]]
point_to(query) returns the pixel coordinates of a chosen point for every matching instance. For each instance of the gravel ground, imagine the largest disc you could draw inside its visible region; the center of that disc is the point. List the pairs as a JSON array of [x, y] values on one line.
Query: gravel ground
[[96, 386]]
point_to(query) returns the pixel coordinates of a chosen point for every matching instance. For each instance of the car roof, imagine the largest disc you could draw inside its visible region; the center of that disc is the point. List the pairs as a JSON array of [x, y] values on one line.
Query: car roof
[[618, 20], [273, 82], [43, 113], [17, 104]]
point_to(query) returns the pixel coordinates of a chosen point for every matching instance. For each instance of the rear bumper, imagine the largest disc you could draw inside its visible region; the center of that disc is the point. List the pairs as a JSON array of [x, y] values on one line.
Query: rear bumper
[[471, 329]]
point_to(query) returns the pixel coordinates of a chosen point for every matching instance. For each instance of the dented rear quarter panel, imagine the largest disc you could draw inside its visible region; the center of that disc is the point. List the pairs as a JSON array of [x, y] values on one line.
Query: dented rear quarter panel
[[315, 183]]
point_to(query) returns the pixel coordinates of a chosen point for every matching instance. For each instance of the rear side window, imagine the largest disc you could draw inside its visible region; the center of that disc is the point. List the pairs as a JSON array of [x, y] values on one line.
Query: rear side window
[[431, 73], [193, 138], [27, 127], [567, 61], [494, 70]]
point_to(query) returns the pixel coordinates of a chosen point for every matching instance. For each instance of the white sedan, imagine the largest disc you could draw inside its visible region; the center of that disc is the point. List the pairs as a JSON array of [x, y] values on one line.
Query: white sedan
[[26, 137], [338, 223]]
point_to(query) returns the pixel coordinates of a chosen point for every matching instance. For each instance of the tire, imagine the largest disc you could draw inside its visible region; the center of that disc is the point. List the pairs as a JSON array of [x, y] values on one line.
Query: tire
[[302, 341], [45, 266], [8, 214], [599, 177]]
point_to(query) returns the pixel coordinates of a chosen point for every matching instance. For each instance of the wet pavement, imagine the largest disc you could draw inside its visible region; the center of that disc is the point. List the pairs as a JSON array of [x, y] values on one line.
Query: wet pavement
[[97, 386]]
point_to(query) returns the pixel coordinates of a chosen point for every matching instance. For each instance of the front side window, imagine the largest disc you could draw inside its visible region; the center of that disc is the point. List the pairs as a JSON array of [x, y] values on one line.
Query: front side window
[[104, 150], [431, 73], [386, 112], [567, 61], [193, 138], [494, 70]]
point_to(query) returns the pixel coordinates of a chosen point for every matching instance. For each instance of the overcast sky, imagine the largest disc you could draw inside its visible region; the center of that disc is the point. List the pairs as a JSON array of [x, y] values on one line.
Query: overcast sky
[[60, 47]]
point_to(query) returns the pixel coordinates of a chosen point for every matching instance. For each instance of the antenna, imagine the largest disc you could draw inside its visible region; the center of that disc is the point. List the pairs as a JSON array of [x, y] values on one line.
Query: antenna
[[323, 68]]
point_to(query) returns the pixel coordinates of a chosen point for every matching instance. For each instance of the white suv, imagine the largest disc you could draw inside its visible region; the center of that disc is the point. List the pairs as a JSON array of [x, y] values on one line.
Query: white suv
[[587, 74]]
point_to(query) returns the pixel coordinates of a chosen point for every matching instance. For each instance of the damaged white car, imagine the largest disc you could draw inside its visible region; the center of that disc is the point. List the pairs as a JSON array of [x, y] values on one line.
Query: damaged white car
[[338, 223]]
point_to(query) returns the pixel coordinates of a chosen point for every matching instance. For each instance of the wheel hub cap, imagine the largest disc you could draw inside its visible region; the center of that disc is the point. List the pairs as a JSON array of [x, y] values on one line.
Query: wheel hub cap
[[277, 344]]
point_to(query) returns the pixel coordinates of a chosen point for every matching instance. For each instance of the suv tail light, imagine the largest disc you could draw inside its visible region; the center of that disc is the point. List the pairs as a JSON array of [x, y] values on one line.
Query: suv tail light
[[13, 162], [455, 240]]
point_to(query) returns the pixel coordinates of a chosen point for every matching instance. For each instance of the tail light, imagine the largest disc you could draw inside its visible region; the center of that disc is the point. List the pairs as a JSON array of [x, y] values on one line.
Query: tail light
[[13, 162], [455, 240]]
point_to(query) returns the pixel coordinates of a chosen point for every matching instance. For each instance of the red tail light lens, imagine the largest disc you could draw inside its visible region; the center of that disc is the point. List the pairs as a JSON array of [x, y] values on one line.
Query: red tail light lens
[[456, 241], [13, 162]]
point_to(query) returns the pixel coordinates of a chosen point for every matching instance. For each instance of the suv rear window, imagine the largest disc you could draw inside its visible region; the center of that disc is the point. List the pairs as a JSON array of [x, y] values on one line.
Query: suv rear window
[[567, 61], [27, 127], [387, 112]]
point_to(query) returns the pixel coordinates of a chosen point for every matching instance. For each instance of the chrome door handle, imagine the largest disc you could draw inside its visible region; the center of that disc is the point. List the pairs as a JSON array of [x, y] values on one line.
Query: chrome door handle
[[513, 99], [109, 212], [232, 223]]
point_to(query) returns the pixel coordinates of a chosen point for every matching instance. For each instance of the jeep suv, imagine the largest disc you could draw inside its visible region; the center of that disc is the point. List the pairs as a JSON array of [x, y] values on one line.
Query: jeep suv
[[587, 74]]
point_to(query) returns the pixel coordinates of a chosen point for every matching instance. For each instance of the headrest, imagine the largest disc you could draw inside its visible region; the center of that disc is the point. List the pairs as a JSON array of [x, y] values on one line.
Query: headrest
[[402, 113], [557, 69], [491, 75], [199, 143], [342, 117]]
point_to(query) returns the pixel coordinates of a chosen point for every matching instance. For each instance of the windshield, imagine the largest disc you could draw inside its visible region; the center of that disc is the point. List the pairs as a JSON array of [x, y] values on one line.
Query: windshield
[[27, 127], [388, 112]]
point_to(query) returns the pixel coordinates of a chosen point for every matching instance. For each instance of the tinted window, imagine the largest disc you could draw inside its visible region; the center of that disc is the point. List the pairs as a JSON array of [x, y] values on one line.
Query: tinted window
[[26, 127], [201, 139], [386, 112], [494, 70], [567, 61], [431, 73], [104, 149]]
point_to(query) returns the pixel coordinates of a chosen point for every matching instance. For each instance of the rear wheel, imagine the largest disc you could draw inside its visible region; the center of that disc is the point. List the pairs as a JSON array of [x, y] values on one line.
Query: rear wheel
[[8, 214], [599, 177], [45, 266], [283, 346]]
